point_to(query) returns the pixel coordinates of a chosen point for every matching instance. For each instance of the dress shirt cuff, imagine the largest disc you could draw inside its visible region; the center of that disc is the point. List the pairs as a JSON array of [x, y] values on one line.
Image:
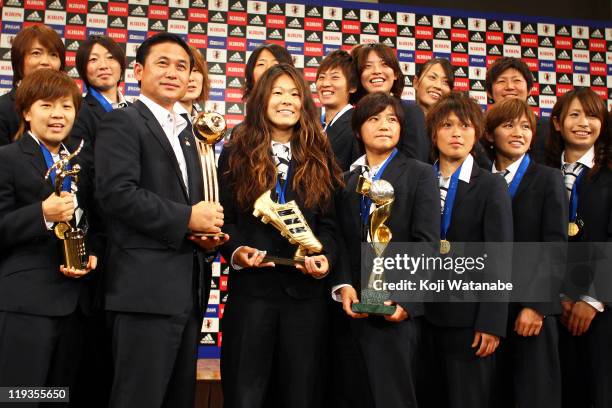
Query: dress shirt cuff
[[596, 304], [234, 266], [335, 292]]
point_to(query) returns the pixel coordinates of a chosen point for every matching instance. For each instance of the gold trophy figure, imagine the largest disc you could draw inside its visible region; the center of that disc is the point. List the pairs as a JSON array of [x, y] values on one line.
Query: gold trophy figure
[[382, 195], [73, 238], [208, 129], [290, 222]]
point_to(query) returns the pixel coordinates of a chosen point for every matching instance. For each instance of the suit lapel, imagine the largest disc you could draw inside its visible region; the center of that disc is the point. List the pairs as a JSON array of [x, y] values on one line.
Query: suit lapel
[[95, 106], [158, 133], [32, 151], [394, 169], [527, 180], [354, 203], [463, 190]]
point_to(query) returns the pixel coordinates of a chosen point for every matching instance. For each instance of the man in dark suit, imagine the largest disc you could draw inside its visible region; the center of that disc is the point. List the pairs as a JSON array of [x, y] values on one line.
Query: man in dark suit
[[150, 186], [101, 65]]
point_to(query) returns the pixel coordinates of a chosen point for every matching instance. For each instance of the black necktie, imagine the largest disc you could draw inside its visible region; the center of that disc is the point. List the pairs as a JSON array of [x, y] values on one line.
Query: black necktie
[[188, 147]]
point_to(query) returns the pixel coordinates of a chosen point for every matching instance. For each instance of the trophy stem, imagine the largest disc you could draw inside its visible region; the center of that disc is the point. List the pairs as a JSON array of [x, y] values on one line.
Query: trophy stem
[[209, 171]]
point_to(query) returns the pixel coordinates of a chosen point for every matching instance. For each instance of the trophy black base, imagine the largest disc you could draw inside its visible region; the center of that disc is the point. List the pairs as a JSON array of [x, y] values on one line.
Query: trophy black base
[[372, 309]]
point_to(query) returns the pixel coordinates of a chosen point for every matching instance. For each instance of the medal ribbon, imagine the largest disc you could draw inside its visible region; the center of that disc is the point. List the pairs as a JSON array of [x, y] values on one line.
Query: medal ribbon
[[105, 104], [516, 181], [573, 213], [449, 202], [366, 203], [280, 191]]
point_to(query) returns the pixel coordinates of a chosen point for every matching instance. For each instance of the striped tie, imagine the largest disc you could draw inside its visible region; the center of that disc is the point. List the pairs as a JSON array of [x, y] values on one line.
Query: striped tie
[[571, 171], [444, 182]]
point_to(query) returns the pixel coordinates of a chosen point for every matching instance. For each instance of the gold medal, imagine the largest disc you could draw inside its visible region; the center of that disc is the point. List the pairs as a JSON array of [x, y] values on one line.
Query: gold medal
[[60, 230], [573, 229], [444, 247]]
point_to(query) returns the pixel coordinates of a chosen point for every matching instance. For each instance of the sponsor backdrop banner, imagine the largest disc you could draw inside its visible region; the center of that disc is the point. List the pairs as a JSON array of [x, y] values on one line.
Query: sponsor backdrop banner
[[560, 53]]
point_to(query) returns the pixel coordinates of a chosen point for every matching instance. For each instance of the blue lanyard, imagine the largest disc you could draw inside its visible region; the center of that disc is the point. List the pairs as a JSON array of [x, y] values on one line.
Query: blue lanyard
[[66, 186], [365, 204], [280, 192], [516, 181], [450, 200], [323, 119], [101, 99], [573, 214]]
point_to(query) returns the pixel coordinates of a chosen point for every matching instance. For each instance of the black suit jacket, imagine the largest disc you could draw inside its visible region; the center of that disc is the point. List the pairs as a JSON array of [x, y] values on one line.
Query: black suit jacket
[[595, 211], [149, 260], [538, 145], [9, 119], [85, 127], [244, 229], [539, 211], [30, 254], [343, 141], [415, 216], [414, 142], [482, 213]]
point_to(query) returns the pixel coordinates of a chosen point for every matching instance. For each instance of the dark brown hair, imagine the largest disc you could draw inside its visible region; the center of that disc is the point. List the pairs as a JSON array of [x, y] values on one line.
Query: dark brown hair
[[464, 107], [82, 55], [503, 64], [199, 64], [251, 167], [281, 55], [446, 67], [371, 105], [593, 105], [343, 60], [507, 110], [46, 85], [360, 55], [46, 36]]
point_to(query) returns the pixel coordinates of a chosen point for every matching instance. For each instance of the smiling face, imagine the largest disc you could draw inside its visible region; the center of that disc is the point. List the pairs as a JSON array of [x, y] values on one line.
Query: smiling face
[[51, 121], [380, 133], [103, 70], [454, 138], [512, 138], [165, 74], [284, 105], [579, 129], [39, 57], [333, 88], [431, 85], [510, 84], [377, 76]]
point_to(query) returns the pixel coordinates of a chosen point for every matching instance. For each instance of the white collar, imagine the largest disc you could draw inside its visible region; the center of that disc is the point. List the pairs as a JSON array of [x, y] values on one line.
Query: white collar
[[363, 162], [180, 109], [338, 115], [120, 98], [512, 169], [161, 114], [466, 169], [63, 148], [587, 159]]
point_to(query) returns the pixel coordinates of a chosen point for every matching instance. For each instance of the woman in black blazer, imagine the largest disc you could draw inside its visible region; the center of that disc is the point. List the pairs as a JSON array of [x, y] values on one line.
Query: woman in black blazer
[[579, 145], [378, 70], [529, 359], [462, 337], [35, 47], [275, 319], [387, 347], [41, 301]]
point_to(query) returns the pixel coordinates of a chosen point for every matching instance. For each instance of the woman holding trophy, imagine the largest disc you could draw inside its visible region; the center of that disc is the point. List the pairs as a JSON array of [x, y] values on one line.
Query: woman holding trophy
[[41, 203], [278, 166], [388, 346]]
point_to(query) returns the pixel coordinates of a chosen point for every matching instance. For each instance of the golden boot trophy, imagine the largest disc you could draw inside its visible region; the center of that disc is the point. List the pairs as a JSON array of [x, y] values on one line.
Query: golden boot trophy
[[290, 222], [208, 129], [382, 195], [73, 238]]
